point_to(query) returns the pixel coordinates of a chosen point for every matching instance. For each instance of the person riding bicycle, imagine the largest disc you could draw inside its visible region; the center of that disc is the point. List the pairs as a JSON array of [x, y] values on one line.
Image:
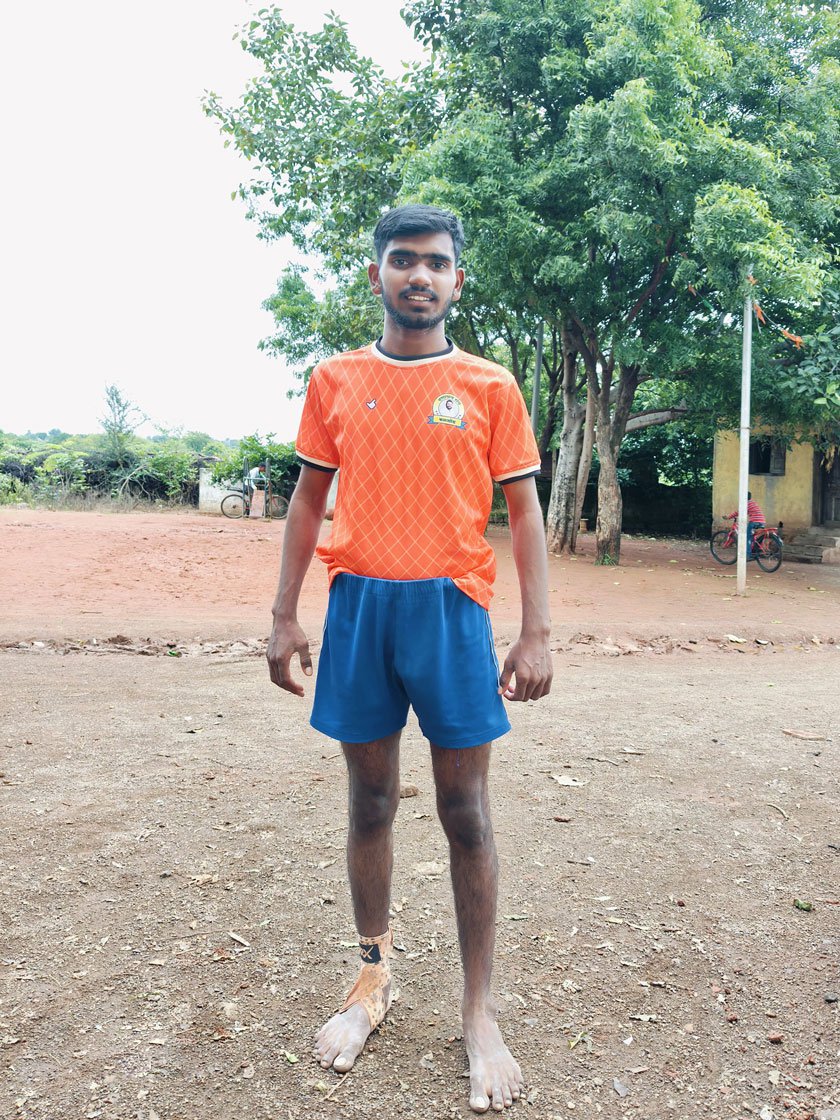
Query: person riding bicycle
[[755, 520]]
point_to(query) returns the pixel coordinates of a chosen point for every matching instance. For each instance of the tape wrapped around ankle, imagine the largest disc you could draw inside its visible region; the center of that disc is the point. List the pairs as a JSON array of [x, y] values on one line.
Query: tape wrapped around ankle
[[374, 978]]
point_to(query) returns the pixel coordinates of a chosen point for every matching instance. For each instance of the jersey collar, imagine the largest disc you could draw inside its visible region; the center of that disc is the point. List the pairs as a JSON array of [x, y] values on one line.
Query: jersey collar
[[421, 360]]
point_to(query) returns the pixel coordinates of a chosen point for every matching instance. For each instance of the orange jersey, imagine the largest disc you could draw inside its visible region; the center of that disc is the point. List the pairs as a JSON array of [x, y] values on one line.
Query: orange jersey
[[419, 444]]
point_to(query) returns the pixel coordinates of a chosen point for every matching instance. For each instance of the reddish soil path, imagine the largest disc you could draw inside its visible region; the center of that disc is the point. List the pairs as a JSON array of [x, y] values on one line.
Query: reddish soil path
[[184, 576], [172, 881]]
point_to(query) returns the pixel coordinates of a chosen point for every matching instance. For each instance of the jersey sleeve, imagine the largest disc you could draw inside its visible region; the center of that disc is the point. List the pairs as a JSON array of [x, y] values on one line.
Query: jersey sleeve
[[513, 450], [314, 444]]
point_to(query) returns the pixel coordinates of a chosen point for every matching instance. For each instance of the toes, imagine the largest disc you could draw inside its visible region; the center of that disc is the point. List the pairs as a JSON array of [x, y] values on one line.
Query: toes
[[325, 1052], [344, 1062], [326, 1058], [513, 1090], [479, 1101], [498, 1098], [332, 1057]]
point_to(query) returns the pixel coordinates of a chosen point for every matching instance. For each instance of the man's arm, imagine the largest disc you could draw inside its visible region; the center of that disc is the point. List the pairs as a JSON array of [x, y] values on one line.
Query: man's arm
[[306, 515], [529, 659]]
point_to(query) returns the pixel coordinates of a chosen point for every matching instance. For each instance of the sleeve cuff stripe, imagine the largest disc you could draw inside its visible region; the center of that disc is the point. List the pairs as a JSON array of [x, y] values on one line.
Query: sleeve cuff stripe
[[514, 476], [318, 464]]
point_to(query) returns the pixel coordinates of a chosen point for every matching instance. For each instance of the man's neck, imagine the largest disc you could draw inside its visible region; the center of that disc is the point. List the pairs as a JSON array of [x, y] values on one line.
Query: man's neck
[[412, 344]]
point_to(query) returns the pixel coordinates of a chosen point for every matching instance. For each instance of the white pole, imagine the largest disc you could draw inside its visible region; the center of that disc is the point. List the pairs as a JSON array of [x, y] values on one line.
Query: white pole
[[744, 466], [535, 395]]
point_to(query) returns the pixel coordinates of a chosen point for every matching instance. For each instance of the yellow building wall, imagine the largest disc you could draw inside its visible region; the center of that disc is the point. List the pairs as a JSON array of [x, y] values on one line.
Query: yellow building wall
[[784, 497]]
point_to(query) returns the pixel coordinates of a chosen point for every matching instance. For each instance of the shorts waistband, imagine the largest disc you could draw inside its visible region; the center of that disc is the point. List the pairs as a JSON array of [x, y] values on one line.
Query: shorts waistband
[[400, 590]]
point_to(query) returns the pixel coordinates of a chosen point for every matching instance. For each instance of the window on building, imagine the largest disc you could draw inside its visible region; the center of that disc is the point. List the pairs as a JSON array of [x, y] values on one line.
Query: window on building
[[767, 456]]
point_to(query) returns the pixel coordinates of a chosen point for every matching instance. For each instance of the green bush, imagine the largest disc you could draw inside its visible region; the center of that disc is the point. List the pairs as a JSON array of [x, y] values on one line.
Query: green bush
[[65, 471], [253, 451], [43, 471], [13, 491]]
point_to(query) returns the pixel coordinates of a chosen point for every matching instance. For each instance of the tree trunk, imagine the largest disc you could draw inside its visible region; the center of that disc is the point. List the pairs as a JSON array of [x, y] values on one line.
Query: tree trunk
[[554, 374], [612, 424], [560, 523], [585, 464], [608, 525]]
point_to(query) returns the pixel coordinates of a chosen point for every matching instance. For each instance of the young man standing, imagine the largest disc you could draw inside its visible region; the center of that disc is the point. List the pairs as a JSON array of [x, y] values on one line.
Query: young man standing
[[420, 430]]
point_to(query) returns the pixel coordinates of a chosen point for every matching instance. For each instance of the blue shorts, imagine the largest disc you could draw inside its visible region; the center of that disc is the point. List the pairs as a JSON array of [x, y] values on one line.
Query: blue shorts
[[391, 644]]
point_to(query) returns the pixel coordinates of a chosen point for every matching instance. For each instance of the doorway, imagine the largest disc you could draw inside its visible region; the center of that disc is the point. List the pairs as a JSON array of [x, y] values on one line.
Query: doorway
[[830, 511]]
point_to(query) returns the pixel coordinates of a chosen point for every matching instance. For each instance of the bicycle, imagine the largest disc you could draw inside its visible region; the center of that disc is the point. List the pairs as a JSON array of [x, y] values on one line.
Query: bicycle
[[766, 546], [238, 504]]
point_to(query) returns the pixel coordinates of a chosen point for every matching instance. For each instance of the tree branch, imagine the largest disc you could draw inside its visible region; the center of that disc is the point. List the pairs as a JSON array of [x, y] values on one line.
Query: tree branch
[[653, 284], [651, 417]]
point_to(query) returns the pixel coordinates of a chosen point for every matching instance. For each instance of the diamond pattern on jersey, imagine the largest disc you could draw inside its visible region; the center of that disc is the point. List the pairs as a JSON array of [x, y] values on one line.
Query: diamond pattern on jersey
[[415, 485]]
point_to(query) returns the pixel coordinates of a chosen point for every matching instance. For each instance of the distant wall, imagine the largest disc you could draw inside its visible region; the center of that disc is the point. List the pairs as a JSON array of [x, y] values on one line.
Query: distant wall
[[784, 497], [209, 494]]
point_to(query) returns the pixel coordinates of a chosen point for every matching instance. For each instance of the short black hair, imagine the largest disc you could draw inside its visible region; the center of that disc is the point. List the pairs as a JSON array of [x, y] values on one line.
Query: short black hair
[[413, 219]]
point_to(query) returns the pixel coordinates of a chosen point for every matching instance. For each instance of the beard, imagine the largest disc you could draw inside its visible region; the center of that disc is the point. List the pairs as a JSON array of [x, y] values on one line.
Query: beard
[[416, 322]]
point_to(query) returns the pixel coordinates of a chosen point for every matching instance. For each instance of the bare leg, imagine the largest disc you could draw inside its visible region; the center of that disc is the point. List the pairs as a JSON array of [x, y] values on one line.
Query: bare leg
[[373, 771], [464, 809]]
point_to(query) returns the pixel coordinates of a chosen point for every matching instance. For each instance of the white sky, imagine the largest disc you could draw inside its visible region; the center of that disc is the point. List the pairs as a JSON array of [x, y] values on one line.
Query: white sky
[[124, 259]]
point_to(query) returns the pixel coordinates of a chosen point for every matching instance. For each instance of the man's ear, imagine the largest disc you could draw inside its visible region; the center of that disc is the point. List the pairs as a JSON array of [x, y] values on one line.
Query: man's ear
[[373, 276], [459, 284]]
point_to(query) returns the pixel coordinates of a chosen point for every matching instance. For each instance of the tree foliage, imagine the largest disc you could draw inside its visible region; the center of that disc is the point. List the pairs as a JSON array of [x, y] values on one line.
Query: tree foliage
[[121, 420], [254, 451], [626, 170], [58, 468], [310, 328], [320, 116]]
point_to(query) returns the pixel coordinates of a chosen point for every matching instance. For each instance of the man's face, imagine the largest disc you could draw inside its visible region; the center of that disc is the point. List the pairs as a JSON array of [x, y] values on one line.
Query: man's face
[[418, 280]]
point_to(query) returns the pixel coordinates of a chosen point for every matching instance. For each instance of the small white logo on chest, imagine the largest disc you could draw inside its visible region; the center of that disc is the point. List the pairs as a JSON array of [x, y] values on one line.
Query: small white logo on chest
[[371, 404]]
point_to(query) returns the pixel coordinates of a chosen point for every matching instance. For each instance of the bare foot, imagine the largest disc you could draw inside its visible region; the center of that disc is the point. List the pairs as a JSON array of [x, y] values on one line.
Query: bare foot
[[341, 1040], [495, 1076]]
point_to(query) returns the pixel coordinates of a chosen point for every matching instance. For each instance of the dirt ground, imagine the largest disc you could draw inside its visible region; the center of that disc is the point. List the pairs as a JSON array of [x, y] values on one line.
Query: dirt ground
[[174, 919]]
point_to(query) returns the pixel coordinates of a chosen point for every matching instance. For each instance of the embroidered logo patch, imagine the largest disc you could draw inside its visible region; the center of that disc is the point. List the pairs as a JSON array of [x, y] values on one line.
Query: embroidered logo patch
[[448, 410], [371, 404]]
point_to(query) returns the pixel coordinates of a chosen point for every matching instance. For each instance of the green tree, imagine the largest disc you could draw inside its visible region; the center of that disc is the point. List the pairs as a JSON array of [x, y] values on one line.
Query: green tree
[[310, 328], [322, 128], [121, 420], [620, 167], [621, 173], [807, 374]]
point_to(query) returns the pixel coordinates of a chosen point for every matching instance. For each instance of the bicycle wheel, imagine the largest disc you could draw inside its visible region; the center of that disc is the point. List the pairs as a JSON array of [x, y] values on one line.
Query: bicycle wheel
[[769, 554], [233, 505], [724, 546], [278, 507]]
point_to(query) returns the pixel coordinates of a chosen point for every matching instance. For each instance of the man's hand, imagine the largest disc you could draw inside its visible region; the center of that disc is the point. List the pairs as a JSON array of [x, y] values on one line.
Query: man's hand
[[529, 662], [288, 639]]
